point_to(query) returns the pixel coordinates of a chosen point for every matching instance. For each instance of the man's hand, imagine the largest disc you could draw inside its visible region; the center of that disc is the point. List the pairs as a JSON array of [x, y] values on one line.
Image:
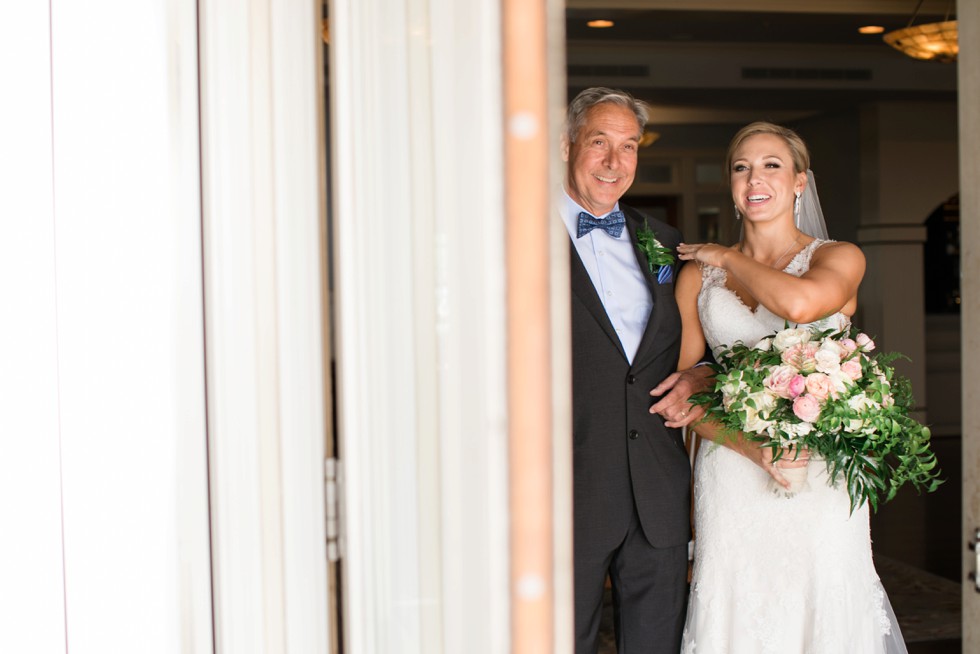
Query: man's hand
[[674, 406]]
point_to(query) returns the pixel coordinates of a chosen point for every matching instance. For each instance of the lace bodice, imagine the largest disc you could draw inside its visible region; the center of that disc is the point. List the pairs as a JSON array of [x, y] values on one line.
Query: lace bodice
[[727, 320]]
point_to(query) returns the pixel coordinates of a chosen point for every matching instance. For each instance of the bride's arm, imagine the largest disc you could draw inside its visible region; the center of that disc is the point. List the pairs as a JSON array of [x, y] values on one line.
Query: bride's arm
[[676, 389], [830, 285], [692, 336]]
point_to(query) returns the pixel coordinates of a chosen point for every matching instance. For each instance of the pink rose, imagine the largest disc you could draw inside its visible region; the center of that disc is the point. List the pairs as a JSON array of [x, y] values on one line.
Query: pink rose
[[797, 385], [801, 356], [820, 386], [778, 381], [864, 342], [852, 369], [848, 344], [806, 408]]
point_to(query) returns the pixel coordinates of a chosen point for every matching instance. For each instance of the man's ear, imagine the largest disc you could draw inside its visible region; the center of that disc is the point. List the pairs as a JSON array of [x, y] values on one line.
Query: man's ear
[[565, 145]]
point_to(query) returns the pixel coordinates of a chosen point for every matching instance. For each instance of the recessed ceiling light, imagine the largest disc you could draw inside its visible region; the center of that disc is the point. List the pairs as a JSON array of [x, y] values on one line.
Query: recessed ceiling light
[[871, 29], [600, 23]]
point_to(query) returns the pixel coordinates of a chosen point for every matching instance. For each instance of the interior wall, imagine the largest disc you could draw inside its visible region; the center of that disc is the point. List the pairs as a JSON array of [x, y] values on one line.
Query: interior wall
[[835, 161], [909, 165], [918, 160]]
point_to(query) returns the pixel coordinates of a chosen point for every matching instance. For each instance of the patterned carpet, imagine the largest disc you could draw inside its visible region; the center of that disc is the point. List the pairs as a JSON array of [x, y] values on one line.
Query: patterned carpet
[[928, 608]]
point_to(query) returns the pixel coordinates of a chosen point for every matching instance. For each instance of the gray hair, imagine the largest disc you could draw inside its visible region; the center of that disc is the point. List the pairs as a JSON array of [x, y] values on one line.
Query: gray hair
[[579, 108]]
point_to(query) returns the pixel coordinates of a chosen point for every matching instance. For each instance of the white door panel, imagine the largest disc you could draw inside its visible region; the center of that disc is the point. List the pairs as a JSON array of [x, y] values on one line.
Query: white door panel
[[32, 615], [969, 98]]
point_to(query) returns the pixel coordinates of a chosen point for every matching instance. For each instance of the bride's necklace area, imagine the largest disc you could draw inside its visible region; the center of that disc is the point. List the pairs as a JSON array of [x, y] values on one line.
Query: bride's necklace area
[[775, 263]]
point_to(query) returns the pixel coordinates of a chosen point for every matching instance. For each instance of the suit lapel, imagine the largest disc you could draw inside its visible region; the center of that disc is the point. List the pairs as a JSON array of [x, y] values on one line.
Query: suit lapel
[[585, 291], [633, 222]]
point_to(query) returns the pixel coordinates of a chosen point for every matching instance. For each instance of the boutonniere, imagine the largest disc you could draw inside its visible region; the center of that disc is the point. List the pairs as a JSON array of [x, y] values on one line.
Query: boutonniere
[[657, 255]]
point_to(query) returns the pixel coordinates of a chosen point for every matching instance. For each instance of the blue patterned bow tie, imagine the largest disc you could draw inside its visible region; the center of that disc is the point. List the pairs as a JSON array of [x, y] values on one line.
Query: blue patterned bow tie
[[612, 224]]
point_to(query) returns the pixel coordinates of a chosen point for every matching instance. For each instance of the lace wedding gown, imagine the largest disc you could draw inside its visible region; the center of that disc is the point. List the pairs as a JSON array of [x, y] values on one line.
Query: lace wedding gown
[[773, 574]]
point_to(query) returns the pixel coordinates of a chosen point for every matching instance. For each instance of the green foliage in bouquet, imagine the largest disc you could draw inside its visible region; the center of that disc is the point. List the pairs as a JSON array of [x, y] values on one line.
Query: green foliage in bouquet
[[825, 391]]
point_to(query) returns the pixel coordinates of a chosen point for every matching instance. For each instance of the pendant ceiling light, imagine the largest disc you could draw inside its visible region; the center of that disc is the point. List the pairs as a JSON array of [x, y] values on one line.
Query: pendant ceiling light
[[929, 41]]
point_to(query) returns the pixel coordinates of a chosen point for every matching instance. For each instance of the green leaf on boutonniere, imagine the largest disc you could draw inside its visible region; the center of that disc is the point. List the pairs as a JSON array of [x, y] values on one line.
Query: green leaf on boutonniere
[[657, 255]]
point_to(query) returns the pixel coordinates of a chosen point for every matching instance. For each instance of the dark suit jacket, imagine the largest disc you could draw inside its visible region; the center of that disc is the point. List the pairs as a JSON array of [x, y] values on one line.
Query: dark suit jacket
[[622, 453]]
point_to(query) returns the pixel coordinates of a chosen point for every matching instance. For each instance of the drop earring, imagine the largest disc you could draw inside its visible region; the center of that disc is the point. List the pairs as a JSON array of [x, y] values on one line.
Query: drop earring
[[796, 205], [738, 216]]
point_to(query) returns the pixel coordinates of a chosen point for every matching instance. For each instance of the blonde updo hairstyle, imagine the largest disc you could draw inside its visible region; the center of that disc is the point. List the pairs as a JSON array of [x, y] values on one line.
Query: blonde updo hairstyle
[[797, 148]]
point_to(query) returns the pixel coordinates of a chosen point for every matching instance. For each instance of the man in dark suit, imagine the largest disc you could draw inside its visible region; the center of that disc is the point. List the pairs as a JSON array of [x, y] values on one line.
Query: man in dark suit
[[631, 470]]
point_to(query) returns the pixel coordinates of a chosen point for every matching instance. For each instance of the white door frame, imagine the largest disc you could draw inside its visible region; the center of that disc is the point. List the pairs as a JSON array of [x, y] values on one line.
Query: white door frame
[[262, 185], [968, 15]]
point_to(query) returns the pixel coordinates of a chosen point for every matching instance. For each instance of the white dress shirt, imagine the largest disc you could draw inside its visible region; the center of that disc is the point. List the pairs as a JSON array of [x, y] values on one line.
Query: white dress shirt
[[616, 276]]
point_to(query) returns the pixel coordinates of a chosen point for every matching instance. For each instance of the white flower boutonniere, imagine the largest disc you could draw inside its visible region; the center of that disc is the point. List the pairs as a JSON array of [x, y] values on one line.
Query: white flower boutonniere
[[657, 255]]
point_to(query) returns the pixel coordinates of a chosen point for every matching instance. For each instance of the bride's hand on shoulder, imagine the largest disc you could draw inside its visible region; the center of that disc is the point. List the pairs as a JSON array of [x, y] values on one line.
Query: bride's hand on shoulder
[[703, 253]]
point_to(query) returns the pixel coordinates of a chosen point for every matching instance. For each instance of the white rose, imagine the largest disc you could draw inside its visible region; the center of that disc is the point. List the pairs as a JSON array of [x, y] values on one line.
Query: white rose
[[757, 408], [831, 345], [827, 361], [862, 402], [732, 388], [764, 345], [840, 381], [797, 429], [778, 434], [787, 338]]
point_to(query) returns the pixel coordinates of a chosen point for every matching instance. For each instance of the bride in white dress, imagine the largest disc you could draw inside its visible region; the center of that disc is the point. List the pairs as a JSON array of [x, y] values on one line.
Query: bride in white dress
[[774, 574]]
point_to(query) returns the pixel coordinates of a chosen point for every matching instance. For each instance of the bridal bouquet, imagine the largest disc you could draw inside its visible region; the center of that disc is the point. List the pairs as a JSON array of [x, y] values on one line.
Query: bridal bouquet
[[826, 391]]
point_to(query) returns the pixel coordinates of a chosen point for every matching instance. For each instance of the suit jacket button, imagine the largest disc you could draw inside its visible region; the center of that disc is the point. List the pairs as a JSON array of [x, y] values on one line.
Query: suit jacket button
[[631, 379], [634, 434]]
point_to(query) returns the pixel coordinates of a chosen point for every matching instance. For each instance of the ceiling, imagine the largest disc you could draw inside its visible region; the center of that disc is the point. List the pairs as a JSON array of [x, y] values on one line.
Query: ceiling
[[685, 26], [727, 61]]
